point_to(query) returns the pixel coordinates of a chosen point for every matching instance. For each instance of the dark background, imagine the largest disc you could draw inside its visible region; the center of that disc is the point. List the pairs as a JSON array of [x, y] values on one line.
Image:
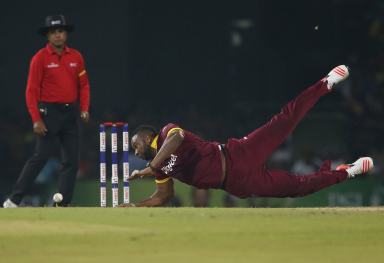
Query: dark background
[[218, 68]]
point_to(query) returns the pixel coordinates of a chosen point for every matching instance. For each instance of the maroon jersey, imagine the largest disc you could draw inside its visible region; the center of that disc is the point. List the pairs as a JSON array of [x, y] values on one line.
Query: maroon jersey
[[195, 162], [198, 163]]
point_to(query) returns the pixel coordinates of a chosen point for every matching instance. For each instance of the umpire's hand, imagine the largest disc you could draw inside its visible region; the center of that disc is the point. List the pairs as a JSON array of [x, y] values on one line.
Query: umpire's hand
[[84, 115], [39, 128]]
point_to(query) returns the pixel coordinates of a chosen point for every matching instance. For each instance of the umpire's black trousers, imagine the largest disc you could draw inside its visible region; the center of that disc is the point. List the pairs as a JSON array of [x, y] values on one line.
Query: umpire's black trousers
[[62, 124]]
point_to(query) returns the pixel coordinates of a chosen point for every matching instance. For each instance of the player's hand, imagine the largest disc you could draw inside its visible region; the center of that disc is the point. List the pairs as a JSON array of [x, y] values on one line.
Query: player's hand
[[140, 174], [84, 115], [127, 205], [39, 128]]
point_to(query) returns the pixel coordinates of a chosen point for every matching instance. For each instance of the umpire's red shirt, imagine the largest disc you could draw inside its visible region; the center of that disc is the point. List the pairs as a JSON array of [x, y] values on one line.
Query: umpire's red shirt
[[56, 78]]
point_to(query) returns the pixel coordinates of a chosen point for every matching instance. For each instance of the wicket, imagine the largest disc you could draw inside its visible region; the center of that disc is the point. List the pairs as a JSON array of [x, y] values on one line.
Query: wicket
[[114, 163]]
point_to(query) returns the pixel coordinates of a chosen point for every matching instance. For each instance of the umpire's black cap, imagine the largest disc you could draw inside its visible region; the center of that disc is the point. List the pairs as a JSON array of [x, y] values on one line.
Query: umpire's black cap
[[55, 21]]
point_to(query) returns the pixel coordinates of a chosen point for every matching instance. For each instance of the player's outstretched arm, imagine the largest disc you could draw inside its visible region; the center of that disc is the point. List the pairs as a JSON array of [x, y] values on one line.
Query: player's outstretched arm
[[164, 192]]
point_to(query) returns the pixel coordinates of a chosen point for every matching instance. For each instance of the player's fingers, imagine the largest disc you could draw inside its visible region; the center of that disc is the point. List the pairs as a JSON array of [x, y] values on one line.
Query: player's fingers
[[135, 172], [134, 175], [127, 205]]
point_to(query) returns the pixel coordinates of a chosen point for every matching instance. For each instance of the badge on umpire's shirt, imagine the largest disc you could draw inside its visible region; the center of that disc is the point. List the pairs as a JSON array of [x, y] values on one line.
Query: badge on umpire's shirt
[[52, 65]]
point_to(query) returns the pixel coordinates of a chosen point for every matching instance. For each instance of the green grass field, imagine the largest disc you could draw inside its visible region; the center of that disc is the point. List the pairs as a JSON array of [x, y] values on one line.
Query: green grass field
[[191, 235]]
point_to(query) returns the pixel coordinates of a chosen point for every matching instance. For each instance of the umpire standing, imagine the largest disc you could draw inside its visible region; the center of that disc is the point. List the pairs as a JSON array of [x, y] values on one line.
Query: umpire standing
[[57, 87]]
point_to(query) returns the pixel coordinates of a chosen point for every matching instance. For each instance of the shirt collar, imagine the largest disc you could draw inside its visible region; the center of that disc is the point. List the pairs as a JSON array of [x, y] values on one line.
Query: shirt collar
[[154, 142], [52, 50]]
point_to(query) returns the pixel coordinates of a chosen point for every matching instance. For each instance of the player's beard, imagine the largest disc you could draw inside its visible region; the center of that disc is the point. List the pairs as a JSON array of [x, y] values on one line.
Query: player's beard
[[149, 153]]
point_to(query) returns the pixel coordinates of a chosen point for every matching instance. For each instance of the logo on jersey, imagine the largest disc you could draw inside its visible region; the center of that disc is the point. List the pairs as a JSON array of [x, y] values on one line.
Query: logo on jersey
[[169, 167], [53, 65], [73, 65]]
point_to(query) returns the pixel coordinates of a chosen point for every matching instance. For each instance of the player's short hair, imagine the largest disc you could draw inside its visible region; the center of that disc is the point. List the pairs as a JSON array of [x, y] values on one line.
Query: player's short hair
[[146, 129]]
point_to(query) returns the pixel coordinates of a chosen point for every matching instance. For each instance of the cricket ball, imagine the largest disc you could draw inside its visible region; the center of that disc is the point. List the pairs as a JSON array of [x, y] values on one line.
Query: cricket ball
[[57, 198]]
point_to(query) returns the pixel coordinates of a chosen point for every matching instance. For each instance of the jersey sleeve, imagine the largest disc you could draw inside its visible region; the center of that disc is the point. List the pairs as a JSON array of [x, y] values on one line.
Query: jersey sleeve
[[162, 179], [32, 92], [168, 130], [84, 85], [164, 133]]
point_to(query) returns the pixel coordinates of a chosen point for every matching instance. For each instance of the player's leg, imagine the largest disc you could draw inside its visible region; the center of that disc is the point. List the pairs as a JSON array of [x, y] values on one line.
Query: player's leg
[[283, 184], [263, 141], [45, 147], [70, 145]]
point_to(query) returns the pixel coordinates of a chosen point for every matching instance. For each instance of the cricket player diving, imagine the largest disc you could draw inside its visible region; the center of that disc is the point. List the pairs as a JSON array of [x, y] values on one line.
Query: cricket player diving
[[239, 166]]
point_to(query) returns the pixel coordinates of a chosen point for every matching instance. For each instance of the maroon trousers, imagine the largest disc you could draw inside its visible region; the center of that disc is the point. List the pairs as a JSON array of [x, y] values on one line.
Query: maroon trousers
[[247, 174]]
